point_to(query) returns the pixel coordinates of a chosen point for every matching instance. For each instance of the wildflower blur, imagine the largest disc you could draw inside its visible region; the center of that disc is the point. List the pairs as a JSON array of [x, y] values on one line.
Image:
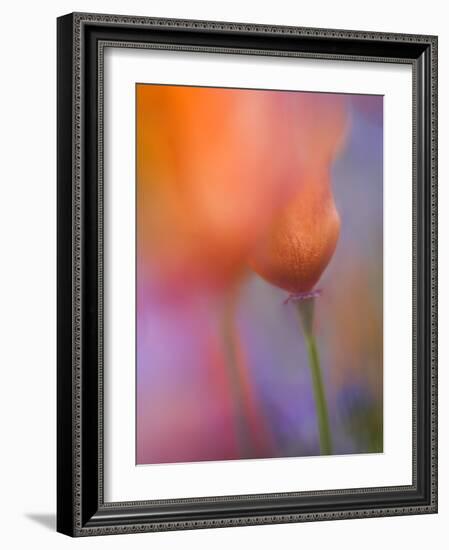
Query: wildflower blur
[[235, 203]]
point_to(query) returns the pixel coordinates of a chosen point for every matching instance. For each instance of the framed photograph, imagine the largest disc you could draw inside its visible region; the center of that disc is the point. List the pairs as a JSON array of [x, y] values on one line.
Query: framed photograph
[[247, 278]]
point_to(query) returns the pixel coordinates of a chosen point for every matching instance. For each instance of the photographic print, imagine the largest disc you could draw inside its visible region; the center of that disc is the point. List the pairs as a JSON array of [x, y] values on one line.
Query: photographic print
[[247, 274], [259, 301]]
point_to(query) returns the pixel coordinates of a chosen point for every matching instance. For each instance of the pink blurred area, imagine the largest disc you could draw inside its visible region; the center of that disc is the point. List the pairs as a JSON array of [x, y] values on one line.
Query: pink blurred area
[[185, 406]]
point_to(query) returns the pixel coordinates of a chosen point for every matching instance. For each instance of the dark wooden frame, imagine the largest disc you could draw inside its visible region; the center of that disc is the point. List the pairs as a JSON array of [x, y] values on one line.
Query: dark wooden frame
[[81, 509]]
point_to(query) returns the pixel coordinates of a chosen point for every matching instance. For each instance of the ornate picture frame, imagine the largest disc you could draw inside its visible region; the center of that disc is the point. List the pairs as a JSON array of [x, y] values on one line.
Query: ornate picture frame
[[81, 506]]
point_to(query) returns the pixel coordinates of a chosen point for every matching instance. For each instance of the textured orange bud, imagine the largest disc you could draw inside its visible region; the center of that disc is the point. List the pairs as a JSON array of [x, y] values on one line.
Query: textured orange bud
[[301, 239]]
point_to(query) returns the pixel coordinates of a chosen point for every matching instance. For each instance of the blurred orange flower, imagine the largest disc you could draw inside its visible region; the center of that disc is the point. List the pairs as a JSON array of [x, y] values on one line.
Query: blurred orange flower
[[215, 166]]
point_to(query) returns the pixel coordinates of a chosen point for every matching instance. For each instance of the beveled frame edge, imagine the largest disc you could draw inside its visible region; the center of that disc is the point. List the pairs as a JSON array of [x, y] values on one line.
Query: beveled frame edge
[[70, 381]]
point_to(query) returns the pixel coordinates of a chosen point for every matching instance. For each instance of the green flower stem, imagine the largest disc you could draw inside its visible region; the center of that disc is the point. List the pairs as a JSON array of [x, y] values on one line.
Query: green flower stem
[[229, 335], [305, 309]]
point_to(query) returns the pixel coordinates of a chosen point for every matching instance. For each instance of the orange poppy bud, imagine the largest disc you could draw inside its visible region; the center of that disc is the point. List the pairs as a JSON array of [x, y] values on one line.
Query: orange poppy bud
[[301, 239], [302, 236]]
